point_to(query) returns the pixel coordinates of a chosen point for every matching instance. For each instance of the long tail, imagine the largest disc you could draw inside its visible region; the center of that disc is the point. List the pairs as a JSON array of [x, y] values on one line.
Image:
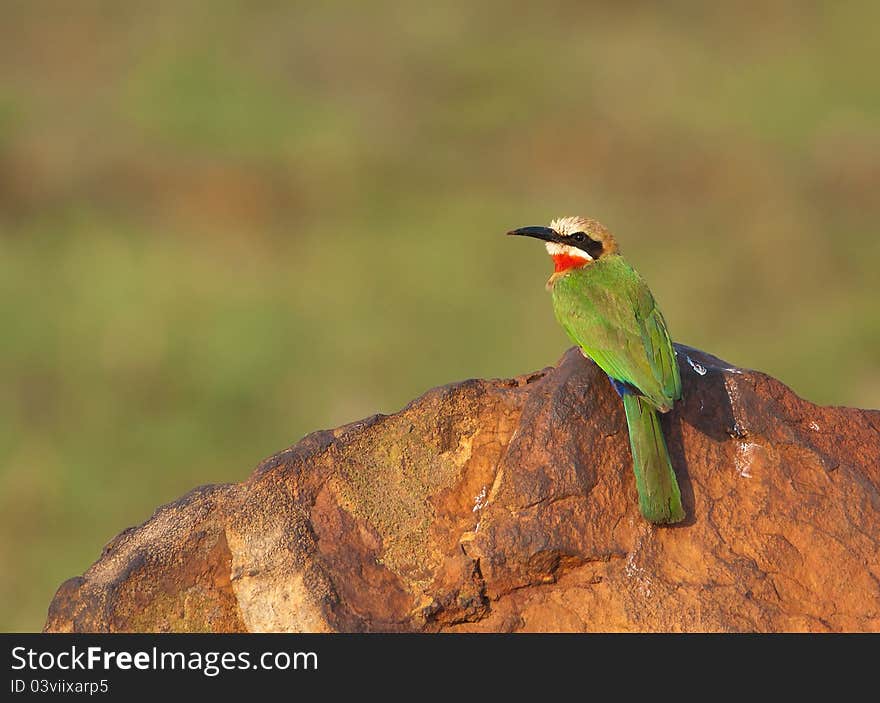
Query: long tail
[[659, 497]]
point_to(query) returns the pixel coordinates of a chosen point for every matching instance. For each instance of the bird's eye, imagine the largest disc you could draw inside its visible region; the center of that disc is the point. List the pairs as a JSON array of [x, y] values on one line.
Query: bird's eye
[[579, 236]]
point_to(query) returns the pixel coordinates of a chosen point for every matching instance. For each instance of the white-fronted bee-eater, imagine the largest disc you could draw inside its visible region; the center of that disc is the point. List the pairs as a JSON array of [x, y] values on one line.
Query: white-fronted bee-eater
[[608, 311]]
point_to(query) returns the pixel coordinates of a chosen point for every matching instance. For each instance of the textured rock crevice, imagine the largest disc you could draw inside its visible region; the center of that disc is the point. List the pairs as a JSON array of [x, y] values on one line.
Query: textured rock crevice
[[509, 505]]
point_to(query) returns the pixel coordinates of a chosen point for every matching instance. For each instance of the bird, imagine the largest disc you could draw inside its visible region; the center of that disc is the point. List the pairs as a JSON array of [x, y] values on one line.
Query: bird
[[607, 310]]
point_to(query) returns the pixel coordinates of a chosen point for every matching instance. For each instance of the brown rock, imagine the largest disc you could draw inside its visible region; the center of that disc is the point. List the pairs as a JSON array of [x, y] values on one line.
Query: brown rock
[[509, 505]]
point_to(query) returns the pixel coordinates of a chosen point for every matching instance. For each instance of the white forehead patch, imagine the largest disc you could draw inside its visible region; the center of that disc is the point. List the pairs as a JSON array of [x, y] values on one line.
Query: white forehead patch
[[569, 225], [556, 249]]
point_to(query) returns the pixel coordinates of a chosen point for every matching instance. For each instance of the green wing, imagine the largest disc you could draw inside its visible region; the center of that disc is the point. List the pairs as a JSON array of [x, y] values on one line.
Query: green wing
[[608, 310]]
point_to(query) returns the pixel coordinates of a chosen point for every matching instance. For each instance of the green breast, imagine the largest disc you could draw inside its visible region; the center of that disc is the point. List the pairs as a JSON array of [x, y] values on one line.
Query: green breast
[[607, 309]]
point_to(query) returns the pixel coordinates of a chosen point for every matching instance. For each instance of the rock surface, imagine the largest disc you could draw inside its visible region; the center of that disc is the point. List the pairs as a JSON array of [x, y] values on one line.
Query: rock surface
[[509, 505]]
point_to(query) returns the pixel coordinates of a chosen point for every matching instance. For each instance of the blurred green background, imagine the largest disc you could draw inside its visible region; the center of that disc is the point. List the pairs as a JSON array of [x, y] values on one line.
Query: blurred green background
[[224, 225]]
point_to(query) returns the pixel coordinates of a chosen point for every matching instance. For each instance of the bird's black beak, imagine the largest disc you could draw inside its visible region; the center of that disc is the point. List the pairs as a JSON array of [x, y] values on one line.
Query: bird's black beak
[[544, 233]]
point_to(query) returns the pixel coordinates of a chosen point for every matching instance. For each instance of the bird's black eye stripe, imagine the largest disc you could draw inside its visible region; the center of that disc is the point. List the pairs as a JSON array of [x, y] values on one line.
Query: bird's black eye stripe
[[585, 242]]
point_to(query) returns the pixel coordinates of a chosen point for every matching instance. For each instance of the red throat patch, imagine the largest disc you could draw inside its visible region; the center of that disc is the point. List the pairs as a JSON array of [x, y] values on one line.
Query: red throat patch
[[564, 262]]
